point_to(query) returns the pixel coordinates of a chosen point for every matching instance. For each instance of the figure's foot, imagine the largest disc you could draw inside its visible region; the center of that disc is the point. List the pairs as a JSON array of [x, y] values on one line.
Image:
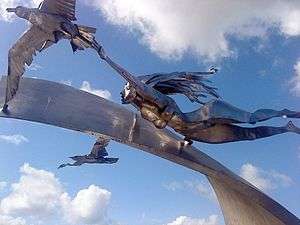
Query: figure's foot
[[292, 128], [290, 114]]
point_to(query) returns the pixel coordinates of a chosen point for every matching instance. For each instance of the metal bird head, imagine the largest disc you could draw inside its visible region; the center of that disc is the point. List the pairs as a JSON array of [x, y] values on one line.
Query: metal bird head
[[20, 11]]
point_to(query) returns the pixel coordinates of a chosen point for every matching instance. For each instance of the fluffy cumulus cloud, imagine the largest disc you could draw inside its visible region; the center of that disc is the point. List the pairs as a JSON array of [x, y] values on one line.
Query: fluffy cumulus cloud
[[37, 193], [39, 196], [264, 180], [15, 139], [172, 28], [296, 80], [184, 220], [86, 86], [84, 208]]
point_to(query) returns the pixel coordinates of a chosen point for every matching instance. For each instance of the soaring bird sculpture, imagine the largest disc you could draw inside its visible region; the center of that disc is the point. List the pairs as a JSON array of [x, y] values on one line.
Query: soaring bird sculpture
[[97, 155], [50, 22]]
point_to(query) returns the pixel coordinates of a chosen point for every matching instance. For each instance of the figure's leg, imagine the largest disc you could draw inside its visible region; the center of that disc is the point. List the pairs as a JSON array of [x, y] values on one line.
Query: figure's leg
[[265, 114], [223, 133], [221, 112]]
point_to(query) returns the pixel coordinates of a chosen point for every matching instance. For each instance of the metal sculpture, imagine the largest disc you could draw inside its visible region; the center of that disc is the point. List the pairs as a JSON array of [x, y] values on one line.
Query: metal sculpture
[[96, 156], [215, 122], [37, 100], [50, 22]]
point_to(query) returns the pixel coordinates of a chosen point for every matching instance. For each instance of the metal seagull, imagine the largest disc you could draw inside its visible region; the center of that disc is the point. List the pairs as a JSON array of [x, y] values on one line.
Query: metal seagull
[[50, 22], [97, 155]]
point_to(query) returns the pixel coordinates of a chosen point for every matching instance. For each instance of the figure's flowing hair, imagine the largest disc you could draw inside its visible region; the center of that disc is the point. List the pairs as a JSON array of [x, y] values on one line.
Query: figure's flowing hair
[[194, 85]]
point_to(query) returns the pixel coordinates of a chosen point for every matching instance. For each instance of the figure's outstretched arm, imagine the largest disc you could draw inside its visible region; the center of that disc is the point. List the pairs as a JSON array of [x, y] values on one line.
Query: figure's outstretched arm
[[147, 92], [223, 133]]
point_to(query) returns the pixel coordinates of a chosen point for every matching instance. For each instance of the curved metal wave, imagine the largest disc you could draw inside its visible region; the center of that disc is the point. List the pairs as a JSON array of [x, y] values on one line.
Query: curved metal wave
[[64, 106]]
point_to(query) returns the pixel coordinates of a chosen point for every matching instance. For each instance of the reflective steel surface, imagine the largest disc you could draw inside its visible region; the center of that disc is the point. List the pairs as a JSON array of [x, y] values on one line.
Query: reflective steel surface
[[64, 106]]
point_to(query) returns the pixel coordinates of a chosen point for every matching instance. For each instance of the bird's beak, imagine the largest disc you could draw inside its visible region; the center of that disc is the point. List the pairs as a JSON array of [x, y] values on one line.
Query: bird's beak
[[11, 10]]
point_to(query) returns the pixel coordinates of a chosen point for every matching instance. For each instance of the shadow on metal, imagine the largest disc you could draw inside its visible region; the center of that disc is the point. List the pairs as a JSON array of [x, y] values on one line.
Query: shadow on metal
[[64, 106]]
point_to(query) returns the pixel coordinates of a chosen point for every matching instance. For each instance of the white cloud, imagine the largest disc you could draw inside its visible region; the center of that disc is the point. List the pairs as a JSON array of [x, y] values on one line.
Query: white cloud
[[88, 207], [39, 196], [3, 185], [37, 193], [86, 86], [173, 186], [184, 220], [15, 139], [264, 180], [296, 80], [172, 28], [8, 220], [66, 82], [199, 187]]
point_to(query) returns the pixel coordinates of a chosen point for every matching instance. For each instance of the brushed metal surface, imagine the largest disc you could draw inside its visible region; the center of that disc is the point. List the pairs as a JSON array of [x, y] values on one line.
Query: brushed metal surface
[[64, 106]]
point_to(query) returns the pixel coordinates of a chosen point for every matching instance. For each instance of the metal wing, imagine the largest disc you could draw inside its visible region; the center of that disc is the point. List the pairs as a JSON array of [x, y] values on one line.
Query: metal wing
[[99, 147], [191, 84], [21, 54], [65, 8]]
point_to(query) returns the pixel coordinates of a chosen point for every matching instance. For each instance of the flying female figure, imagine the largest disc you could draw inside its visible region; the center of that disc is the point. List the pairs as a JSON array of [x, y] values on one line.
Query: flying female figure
[[214, 122], [50, 22]]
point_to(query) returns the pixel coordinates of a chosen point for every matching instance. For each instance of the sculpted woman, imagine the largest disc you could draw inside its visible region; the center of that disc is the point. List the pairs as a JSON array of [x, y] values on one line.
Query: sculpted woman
[[216, 121]]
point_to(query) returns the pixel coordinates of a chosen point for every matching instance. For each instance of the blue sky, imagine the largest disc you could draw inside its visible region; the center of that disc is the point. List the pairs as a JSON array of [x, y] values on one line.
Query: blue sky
[[257, 51]]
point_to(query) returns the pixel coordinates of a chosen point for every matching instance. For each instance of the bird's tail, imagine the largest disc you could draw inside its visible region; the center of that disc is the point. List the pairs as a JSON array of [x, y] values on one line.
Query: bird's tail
[[85, 39]]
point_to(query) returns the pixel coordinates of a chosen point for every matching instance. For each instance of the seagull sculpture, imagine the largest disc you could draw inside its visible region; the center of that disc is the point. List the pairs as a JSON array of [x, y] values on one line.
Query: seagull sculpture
[[50, 22], [97, 155]]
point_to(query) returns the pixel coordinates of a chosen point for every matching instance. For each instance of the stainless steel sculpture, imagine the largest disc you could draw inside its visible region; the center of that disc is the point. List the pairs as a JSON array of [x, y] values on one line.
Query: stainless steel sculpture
[[37, 100], [50, 22], [96, 156], [215, 122]]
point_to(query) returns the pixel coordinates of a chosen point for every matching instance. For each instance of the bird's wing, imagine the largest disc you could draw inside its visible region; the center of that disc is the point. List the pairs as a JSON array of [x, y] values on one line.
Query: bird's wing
[[65, 8], [99, 147], [21, 54], [191, 84]]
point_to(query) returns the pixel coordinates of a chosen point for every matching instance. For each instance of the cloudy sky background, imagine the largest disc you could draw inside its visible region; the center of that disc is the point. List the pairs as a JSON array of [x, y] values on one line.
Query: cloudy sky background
[[256, 46]]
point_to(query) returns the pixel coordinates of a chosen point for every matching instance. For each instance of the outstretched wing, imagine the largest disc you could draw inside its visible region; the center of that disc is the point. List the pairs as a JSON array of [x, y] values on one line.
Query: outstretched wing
[[65, 8], [21, 54], [99, 147], [191, 84]]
